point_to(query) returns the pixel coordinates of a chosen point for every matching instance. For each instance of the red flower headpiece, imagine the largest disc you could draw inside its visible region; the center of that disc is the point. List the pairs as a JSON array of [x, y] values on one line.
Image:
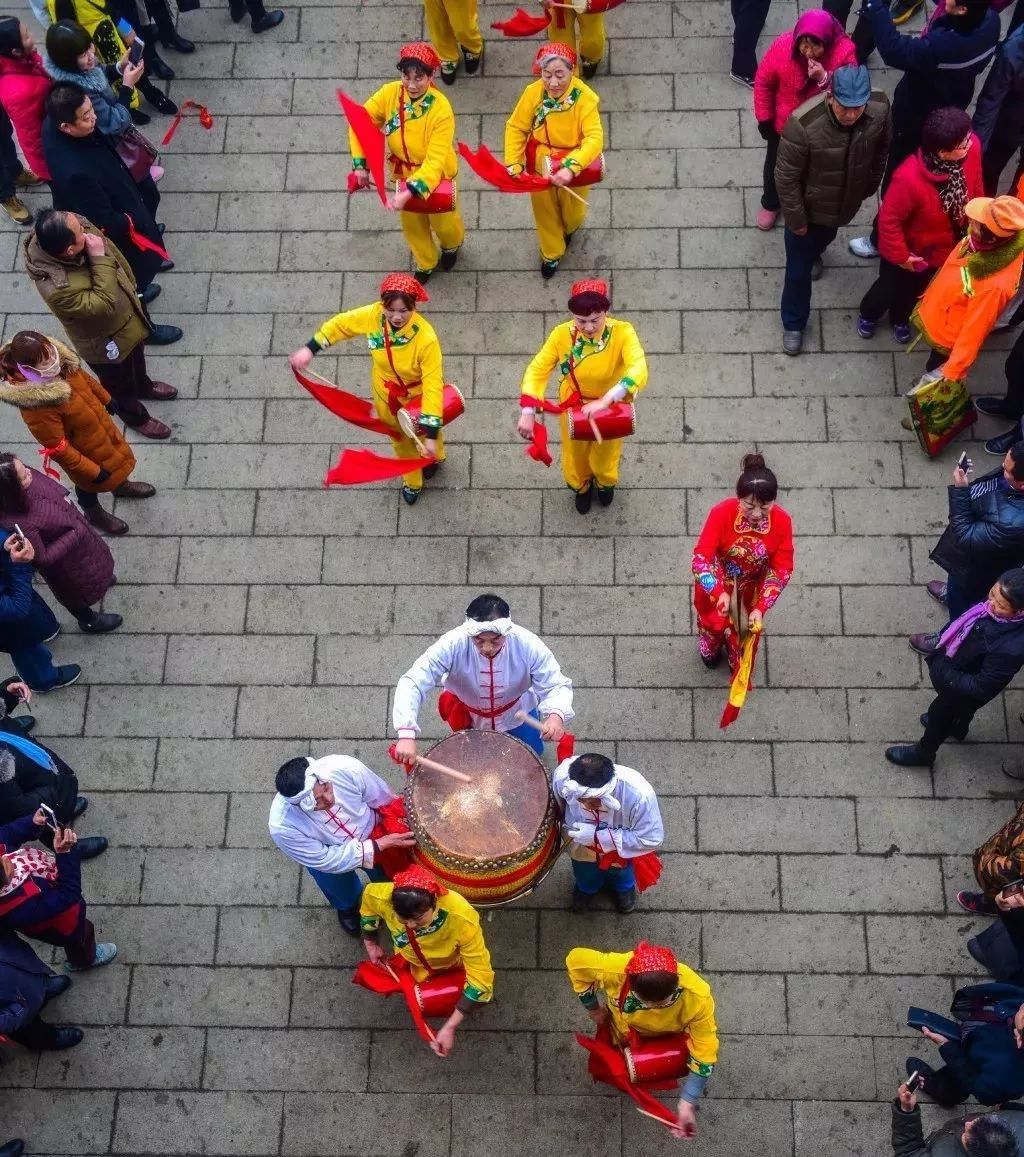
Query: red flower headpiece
[[421, 52], [418, 877], [547, 51], [651, 958], [589, 285], [404, 283]]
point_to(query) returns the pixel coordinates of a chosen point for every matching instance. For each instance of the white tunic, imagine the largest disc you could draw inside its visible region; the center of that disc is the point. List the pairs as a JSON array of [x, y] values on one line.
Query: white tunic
[[633, 828], [336, 840], [523, 675]]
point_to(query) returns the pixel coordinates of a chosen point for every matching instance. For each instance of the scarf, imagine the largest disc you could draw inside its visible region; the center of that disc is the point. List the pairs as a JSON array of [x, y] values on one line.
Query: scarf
[[25, 862], [953, 636], [952, 192], [28, 749]]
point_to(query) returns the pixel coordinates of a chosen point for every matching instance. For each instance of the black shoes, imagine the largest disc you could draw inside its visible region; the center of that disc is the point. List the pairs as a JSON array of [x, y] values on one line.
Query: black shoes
[[156, 99], [583, 500], [471, 62], [431, 470], [164, 335], [580, 902], [448, 258], [99, 623], [348, 918], [267, 21], [12, 1149], [1001, 443], [605, 495], [139, 118], [909, 755], [714, 661], [625, 901], [92, 846], [589, 68], [81, 805], [25, 722], [150, 293], [55, 985], [409, 496], [548, 269], [167, 264], [992, 405], [423, 275], [65, 1037]]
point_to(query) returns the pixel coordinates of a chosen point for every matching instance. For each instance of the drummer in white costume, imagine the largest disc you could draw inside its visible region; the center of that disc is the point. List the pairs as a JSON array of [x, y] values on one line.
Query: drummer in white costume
[[490, 668]]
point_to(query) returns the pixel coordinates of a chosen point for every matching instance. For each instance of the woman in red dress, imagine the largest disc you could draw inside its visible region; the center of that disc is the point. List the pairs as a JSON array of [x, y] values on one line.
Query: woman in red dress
[[746, 543]]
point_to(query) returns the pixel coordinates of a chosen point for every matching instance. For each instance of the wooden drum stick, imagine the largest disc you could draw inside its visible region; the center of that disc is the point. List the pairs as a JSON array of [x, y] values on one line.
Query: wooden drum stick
[[444, 769], [524, 718], [596, 432]]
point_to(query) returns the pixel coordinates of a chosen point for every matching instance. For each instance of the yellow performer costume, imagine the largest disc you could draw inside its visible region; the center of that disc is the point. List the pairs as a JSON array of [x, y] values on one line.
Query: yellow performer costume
[[451, 25], [420, 137], [570, 124], [583, 32], [612, 361], [604, 977], [453, 939], [411, 354]]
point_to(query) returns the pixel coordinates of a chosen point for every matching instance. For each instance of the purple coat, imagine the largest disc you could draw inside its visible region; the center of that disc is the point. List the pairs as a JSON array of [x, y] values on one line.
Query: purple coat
[[74, 561]]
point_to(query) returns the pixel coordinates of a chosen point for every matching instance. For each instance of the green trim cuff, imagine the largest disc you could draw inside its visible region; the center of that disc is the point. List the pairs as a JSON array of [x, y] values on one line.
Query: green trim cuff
[[369, 923], [427, 422], [359, 163], [589, 999], [418, 187]]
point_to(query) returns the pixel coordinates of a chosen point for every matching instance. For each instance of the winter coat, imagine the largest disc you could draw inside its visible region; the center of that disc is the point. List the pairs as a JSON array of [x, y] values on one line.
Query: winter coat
[[70, 412], [111, 107], [38, 901], [72, 559], [23, 979], [912, 219], [23, 88], [89, 178], [1000, 859], [987, 1061], [985, 534], [94, 299], [824, 171], [999, 113], [983, 665], [939, 67], [908, 1138], [24, 618], [33, 784], [781, 83]]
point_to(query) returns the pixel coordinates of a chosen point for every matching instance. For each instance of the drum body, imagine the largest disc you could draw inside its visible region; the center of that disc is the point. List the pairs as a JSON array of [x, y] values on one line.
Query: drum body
[[442, 200], [438, 995], [492, 840], [656, 1058], [453, 404], [615, 421]]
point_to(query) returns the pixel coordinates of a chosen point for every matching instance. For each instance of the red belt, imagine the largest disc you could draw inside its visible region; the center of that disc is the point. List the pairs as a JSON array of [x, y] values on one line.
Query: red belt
[[398, 394]]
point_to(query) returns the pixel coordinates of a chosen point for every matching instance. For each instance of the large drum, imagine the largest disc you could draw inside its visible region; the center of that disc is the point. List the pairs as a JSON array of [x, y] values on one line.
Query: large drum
[[492, 840]]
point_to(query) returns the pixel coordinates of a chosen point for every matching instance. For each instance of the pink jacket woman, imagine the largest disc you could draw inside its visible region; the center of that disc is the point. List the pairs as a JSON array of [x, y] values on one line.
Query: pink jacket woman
[[24, 84], [783, 81]]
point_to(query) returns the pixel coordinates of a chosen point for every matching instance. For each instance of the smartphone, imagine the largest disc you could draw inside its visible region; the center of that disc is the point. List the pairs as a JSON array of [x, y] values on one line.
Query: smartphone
[[921, 1018], [961, 462], [135, 52], [124, 28], [914, 1081], [51, 818]]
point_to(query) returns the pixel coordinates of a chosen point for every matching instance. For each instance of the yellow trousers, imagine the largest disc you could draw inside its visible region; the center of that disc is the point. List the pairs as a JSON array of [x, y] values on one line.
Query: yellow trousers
[[557, 215], [586, 462], [420, 230], [589, 28], [451, 24], [405, 447]]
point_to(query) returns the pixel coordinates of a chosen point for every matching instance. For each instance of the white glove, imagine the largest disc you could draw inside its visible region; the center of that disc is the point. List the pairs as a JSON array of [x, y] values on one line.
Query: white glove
[[582, 833]]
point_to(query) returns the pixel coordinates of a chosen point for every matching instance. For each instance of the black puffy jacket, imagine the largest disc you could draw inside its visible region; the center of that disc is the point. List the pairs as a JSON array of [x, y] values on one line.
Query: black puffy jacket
[[985, 535], [984, 663], [1000, 109]]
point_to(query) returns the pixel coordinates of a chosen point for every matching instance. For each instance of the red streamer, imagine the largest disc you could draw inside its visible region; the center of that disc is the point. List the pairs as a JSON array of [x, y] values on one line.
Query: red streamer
[[538, 447], [344, 405], [488, 168], [370, 139], [608, 1065], [647, 868], [48, 452], [204, 119], [355, 467], [144, 243], [521, 23], [376, 978]]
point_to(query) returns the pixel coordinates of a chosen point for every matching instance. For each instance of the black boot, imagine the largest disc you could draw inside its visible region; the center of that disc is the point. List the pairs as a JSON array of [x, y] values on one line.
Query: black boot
[[583, 500], [155, 67], [167, 33], [262, 20], [348, 918], [156, 99], [909, 755]]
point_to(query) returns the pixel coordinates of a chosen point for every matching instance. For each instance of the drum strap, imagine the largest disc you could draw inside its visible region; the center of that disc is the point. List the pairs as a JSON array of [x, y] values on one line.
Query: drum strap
[[387, 350], [401, 129], [414, 944]]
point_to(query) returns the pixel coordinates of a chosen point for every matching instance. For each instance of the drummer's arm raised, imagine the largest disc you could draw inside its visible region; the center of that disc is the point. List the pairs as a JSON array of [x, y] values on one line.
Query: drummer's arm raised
[[427, 673]]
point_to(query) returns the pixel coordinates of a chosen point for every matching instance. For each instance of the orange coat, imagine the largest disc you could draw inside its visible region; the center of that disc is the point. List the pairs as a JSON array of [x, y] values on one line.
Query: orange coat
[[963, 302], [72, 410]]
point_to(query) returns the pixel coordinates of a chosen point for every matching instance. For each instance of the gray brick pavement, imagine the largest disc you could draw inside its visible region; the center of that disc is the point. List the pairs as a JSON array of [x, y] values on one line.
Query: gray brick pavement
[[809, 880]]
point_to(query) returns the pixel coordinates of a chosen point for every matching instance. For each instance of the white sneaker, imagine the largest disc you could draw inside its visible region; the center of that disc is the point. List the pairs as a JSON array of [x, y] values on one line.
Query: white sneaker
[[862, 247]]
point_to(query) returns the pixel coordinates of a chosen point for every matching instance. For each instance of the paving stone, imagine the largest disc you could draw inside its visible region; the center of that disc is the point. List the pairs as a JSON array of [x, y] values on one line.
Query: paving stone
[[930, 945], [804, 1063], [567, 1123], [691, 768], [774, 714], [244, 659], [123, 657], [841, 662], [225, 1123], [158, 819], [482, 1062], [785, 943], [845, 769], [61, 1121], [134, 1058], [256, 936], [830, 1129], [223, 876], [861, 884], [923, 826], [221, 764], [725, 1128], [287, 610], [868, 1005], [290, 1061], [313, 1129], [132, 711], [251, 997], [613, 932], [157, 933], [776, 825]]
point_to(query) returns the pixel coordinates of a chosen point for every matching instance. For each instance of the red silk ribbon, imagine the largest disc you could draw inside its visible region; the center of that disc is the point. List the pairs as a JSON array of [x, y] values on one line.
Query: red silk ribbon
[[344, 405], [355, 467], [204, 119], [48, 452], [538, 447], [144, 243], [488, 168], [370, 139], [376, 978], [521, 23], [608, 1065]]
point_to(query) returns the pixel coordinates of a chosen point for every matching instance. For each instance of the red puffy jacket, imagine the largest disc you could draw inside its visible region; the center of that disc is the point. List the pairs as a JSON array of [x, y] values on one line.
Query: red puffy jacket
[[23, 88], [781, 83], [912, 219]]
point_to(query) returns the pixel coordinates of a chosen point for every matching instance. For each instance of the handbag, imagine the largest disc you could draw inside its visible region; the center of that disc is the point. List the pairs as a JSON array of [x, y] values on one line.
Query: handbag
[[136, 152], [939, 410]]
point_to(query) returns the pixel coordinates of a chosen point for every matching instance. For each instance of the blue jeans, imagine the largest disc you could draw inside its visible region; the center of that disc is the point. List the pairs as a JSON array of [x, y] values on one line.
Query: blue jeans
[[344, 889], [801, 254], [35, 666], [590, 879], [529, 735]]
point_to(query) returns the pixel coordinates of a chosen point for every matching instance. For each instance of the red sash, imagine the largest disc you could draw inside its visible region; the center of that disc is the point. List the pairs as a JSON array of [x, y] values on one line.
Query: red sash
[[64, 923]]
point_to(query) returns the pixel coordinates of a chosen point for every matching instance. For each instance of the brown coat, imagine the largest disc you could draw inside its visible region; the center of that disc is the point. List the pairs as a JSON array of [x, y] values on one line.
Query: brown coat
[[94, 299], [72, 410], [1000, 859]]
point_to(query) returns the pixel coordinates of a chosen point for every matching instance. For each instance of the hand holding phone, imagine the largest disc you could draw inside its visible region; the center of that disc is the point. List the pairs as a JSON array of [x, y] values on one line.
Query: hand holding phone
[[914, 1081], [135, 52], [47, 816]]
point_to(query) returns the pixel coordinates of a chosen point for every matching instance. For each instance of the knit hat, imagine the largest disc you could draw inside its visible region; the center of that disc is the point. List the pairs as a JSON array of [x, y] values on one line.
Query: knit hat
[[1001, 216], [419, 877], [421, 53], [851, 85], [404, 283], [548, 52], [651, 958]]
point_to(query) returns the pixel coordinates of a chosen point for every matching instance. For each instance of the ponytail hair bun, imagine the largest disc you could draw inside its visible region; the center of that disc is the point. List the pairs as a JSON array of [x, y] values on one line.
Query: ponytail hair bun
[[753, 462], [757, 481]]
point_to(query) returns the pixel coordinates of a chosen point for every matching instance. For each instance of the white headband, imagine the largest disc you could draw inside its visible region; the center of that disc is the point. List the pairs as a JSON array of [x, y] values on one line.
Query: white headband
[[573, 790], [494, 627], [305, 799]]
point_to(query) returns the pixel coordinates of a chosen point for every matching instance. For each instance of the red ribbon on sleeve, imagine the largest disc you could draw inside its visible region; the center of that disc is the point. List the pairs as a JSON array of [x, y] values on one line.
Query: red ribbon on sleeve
[[344, 405], [521, 23], [48, 452], [371, 141], [355, 467], [488, 168]]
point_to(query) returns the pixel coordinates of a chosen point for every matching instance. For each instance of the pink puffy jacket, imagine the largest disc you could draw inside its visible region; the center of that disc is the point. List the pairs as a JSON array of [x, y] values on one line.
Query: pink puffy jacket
[[781, 83], [23, 88]]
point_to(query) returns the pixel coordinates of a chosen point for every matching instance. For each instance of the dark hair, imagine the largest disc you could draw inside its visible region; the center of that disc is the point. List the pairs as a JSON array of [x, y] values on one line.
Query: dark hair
[[291, 776], [26, 347], [12, 493], [65, 42], [591, 302], [52, 231], [1017, 457], [484, 608], [64, 9], [973, 17], [592, 770], [63, 102], [757, 481], [10, 36], [991, 1136], [656, 985], [411, 903], [1011, 583], [411, 64], [393, 295], [944, 128]]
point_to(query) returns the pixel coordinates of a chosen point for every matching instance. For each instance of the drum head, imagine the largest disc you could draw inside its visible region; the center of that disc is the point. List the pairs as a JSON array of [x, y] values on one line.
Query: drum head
[[502, 813]]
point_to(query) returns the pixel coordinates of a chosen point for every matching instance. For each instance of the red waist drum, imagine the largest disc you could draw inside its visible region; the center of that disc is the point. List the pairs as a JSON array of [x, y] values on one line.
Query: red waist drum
[[442, 200], [593, 173], [438, 995], [656, 1058], [615, 421], [453, 405]]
